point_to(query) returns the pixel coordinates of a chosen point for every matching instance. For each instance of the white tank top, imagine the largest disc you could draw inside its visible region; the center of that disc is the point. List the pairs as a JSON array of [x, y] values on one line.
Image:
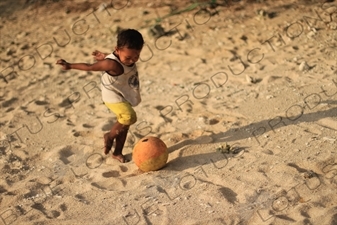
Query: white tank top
[[121, 88]]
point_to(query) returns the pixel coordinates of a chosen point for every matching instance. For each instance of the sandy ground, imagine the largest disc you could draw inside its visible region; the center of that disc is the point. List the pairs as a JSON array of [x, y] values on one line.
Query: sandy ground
[[259, 76]]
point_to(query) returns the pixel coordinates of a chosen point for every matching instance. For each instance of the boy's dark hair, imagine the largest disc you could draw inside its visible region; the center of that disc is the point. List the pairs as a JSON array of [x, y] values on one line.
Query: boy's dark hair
[[131, 39]]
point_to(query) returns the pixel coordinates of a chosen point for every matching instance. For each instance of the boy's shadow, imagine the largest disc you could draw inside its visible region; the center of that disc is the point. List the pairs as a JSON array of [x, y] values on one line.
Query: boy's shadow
[[217, 159], [235, 134]]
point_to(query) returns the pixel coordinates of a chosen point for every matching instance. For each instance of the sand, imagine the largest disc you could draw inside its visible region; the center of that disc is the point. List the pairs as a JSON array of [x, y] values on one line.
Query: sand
[[257, 76]]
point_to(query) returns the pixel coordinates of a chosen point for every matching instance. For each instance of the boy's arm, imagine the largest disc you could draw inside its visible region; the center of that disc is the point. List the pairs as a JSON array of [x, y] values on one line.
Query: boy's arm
[[103, 65]]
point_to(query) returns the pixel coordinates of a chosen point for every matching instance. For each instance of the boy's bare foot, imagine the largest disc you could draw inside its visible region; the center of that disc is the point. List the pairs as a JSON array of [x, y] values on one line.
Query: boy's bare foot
[[119, 158], [107, 143]]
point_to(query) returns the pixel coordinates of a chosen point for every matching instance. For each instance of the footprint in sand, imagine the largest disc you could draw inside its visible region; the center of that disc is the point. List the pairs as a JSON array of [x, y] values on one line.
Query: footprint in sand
[[82, 199], [112, 173], [38, 102], [2, 189], [70, 123], [65, 153], [116, 184], [63, 207], [9, 102], [123, 168], [82, 133], [229, 194], [115, 173], [85, 125], [113, 185], [49, 214]]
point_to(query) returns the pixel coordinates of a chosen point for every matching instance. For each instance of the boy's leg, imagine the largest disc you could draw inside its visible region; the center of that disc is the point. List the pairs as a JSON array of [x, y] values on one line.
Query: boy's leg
[[108, 143], [111, 136], [118, 133], [120, 141]]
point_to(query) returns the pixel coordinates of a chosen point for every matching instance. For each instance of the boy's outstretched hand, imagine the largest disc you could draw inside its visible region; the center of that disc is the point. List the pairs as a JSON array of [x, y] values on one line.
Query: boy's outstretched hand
[[99, 56], [65, 65]]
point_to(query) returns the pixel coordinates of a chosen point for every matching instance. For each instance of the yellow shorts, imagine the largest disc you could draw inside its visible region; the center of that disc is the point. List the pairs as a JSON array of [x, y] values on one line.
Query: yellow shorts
[[124, 112]]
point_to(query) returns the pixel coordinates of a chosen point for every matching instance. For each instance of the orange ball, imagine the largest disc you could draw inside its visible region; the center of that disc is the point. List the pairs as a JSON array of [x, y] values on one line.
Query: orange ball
[[150, 154]]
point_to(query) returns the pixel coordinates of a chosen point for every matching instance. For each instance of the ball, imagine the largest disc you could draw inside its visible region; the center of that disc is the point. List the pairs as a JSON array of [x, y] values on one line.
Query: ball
[[150, 154]]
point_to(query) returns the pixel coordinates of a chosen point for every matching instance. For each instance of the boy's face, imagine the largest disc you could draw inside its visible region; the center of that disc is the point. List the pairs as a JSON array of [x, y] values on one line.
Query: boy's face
[[128, 56]]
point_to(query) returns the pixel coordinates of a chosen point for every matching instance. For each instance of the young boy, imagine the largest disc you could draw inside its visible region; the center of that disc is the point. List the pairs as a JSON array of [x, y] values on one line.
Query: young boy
[[119, 84]]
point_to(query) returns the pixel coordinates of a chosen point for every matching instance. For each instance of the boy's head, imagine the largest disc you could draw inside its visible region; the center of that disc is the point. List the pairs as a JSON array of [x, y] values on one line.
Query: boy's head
[[129, 45]]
